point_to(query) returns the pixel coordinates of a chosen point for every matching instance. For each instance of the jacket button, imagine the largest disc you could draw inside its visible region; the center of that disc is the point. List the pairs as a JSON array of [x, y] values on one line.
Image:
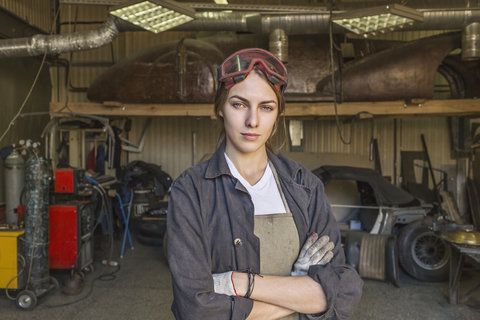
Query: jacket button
[[237, 242]]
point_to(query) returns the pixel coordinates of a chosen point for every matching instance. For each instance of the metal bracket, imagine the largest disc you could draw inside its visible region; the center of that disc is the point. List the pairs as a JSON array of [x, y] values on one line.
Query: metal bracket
[[137, 147]]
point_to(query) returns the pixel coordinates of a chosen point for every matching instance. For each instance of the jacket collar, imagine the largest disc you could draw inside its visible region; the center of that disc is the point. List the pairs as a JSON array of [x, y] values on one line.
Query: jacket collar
[[286, 168], [217, 165]]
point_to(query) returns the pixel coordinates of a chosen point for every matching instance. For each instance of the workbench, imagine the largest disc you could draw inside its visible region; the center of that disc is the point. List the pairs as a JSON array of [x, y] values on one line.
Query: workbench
[[457, 259]]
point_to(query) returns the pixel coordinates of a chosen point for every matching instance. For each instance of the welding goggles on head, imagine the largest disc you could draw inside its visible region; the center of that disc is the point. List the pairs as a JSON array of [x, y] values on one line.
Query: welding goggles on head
[[236, 68]]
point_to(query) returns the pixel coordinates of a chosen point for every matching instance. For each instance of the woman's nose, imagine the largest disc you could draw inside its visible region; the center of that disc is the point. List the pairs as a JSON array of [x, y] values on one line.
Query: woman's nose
[[252, 119]]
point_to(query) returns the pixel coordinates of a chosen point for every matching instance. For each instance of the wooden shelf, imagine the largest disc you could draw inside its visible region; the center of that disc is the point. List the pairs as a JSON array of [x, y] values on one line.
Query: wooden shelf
[[299, 110]]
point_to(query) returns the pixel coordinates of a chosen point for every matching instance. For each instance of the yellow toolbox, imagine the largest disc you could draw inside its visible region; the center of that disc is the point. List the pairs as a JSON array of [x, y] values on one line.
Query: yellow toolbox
[[10, 263]]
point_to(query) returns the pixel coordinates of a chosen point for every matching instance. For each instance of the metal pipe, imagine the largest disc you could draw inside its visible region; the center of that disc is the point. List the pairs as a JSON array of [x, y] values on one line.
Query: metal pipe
[[315, 23], [257, 23], [56, 44], [278, 44], [471, 42]]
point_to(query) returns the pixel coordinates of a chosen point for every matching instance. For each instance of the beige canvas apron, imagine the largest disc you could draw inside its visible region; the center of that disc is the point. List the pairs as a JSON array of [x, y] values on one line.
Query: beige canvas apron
[[279, 243]]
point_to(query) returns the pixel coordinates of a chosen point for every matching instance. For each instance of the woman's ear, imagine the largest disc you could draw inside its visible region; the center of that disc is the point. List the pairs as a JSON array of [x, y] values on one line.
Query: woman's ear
[[220, 113]]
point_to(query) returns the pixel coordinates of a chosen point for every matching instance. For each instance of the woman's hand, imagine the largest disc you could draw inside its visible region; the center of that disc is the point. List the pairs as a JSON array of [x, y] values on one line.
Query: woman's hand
[[314, 251]]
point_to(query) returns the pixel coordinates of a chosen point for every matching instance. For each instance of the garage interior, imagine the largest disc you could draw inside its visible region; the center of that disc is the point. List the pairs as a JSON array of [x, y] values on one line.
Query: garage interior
[[387, 117]]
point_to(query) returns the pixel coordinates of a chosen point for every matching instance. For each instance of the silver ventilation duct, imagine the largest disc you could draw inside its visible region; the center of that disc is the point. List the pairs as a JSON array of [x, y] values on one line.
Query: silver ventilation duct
[[278, 44], [55, 44], [315, 23], [471, 42], [247, 21]]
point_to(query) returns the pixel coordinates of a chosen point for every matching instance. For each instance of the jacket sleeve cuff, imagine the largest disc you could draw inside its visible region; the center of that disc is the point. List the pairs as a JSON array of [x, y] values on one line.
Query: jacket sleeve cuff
[[330, 282], [342, 287], [241, 307]]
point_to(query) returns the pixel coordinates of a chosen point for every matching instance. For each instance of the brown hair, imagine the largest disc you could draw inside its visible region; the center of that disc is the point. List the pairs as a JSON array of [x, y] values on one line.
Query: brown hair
[[221, 98]]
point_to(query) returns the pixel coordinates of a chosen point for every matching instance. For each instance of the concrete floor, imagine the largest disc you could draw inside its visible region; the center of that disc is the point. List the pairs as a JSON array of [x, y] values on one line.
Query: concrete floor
[[143, 290]]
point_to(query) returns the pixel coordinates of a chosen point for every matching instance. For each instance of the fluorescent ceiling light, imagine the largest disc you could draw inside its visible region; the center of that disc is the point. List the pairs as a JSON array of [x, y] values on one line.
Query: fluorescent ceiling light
[[371, 20], [221, 1], [154, 15]]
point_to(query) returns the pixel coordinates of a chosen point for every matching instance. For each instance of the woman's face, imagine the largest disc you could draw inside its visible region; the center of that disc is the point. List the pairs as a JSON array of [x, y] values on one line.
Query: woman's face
[[249, 114]]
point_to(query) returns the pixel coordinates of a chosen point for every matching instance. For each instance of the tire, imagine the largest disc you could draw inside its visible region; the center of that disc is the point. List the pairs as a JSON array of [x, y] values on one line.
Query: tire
[[422, 254], [26, 300], [149, 241], [152, 228]]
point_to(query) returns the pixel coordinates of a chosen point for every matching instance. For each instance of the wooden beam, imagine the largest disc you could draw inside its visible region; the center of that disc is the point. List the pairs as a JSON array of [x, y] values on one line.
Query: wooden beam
[[144, 109], [390, 109], [306, 110]]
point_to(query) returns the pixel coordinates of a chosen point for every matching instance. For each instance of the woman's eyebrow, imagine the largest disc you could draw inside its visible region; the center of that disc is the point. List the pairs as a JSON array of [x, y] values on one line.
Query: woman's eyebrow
[[246, 100], [268, 101], [238, 97]]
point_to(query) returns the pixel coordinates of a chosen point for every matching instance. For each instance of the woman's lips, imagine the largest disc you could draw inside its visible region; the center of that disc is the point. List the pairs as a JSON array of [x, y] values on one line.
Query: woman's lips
[[250, 136]]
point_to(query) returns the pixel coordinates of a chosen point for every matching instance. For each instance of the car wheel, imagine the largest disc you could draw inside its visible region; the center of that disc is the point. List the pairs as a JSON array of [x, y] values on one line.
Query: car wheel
[[422, 254]]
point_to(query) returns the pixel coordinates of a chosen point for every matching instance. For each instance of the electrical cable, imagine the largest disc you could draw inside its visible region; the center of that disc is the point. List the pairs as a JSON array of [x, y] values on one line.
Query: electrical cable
[[100, 277], [18, 274], [105, 208], [26, 99], [85, 242], [109, 217], [33, 85], [109, 276], [332, 64], [105, 214], [109, 210]]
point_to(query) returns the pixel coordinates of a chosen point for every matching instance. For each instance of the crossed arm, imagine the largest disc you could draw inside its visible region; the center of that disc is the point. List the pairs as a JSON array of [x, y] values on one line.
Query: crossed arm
[[278, 296], [275, 297]]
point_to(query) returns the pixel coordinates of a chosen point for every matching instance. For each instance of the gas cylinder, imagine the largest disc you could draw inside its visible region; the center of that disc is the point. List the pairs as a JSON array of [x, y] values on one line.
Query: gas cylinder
[[14, 182], [37, 224]]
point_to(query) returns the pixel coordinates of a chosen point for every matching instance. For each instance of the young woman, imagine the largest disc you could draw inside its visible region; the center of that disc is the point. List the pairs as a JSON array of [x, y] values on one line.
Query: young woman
[[251, 234]]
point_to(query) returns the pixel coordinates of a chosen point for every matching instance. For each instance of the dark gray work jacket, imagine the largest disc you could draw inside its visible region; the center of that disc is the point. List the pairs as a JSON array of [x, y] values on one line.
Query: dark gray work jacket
[[210, 230]]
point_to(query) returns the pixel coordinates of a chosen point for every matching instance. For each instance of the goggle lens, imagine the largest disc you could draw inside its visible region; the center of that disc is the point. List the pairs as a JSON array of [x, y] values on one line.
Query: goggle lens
[[236, 67]]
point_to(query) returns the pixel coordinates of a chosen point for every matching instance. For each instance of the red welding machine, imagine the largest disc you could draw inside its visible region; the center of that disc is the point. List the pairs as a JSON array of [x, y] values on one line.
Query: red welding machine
[[71, 235], [70, 181]]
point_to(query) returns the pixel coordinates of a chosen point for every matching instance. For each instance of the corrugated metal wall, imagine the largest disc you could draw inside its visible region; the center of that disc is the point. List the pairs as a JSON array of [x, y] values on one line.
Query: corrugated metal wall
[[170, 141], [322, 136], [17, 76], [38, 13], [437, 139]]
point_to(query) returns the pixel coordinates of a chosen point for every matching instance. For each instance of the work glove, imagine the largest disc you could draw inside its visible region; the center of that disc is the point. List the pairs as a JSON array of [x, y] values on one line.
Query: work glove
[[223, 283], [314, 251]]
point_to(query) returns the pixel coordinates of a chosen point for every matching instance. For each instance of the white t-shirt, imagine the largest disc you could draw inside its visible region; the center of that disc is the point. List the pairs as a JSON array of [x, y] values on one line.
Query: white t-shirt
[[265, 195]]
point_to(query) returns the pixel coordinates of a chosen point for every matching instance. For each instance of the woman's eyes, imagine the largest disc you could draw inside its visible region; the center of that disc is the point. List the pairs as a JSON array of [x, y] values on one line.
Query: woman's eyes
[[242, 105], [238, 104]]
